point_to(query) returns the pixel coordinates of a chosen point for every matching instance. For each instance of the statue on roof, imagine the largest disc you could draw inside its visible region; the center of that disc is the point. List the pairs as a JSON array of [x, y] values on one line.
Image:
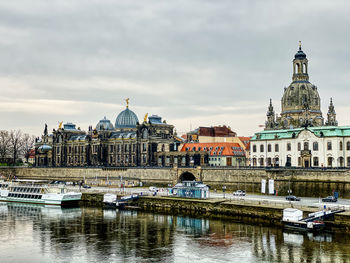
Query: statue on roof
[[127, 102]]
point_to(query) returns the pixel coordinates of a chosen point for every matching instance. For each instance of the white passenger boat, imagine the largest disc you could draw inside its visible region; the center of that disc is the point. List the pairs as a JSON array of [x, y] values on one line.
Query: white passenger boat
[[37, 194]]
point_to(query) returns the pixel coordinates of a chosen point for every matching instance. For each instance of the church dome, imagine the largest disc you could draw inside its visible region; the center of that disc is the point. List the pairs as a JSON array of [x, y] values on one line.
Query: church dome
[[300, 54], [298, 95], [126, 119], [105, 125]]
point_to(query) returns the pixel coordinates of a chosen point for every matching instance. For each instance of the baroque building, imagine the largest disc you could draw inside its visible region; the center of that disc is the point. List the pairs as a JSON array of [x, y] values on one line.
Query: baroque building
[[301, 104], [127, 144], [299, 137]]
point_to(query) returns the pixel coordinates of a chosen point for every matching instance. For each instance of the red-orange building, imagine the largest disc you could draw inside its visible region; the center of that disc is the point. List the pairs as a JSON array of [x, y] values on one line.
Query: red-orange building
[[220, 154]]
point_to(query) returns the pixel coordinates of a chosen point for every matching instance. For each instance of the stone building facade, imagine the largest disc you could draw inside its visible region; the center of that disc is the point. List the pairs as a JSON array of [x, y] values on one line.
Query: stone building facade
[[128, 144]]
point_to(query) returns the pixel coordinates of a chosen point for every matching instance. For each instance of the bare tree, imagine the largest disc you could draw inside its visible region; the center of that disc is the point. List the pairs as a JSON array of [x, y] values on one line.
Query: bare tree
[[15, 144], [4, 145], [27, 142]]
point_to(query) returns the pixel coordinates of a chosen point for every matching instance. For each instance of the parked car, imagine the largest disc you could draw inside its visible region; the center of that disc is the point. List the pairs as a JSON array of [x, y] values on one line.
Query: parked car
[[86, 186], [329, 199], [239, 193], [292, 198]]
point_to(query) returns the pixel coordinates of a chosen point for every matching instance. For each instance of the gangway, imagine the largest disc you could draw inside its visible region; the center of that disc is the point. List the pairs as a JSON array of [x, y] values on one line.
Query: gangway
[[322, 215]]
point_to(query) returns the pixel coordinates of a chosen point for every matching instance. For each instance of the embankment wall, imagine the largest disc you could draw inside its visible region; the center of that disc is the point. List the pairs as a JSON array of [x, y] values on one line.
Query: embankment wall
[[302, 182]]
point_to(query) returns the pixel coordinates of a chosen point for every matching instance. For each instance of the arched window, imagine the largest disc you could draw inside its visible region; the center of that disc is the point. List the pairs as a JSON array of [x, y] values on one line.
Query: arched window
[[269, 161], [306, 146], [330, 161], [289, 147], [299, 146], [340, 146], [145, 134], [315, 146], [261, 161], [348, 146], [348, 161], [261, 148], [315, 162], [254, 148], [269, 147], [254, 161]]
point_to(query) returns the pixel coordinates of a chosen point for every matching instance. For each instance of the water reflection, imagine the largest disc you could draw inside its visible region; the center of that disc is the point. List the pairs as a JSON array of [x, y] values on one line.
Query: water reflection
[[34, 233]]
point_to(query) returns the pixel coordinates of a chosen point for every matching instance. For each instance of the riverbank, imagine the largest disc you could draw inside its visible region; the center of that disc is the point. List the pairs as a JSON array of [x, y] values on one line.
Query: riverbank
[[260, 212]]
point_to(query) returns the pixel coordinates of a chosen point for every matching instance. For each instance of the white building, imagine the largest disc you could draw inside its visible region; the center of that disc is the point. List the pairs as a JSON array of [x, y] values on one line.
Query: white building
[[300, 137], [324, 146]]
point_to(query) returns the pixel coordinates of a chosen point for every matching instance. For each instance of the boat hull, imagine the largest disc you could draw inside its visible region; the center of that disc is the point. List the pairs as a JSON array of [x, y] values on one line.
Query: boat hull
[[302, 226]]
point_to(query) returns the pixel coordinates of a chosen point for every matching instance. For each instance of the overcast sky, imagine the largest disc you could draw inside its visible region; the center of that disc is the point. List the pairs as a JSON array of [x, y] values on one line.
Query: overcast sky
[[195, 63]]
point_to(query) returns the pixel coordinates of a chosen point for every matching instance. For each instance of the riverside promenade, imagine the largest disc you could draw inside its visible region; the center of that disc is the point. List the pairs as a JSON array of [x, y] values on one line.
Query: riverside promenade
[[251, 208]]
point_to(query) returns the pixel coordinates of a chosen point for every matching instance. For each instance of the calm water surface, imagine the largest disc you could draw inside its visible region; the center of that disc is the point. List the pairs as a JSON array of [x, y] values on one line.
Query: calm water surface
[[31, 233]]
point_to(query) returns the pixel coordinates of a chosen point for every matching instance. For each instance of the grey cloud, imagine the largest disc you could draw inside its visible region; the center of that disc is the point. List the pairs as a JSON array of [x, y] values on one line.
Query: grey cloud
[[180, 58]]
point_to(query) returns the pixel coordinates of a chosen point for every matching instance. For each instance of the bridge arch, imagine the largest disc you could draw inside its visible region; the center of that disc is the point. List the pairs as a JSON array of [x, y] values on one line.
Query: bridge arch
[[187, 176]]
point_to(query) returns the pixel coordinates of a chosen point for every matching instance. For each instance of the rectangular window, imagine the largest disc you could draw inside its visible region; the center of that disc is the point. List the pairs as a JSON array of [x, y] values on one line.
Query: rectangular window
[[261, 148], [269, 148], [329, 146], [289, 146], [276, 148]]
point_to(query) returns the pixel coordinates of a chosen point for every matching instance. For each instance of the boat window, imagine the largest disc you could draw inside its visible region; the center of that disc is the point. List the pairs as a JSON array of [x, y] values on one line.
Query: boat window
[[40, 196]]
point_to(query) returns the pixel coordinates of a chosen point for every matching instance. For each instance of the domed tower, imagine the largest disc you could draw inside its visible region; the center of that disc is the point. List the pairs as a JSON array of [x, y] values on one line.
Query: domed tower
[[126, 119], [104, 125], [301, 105]]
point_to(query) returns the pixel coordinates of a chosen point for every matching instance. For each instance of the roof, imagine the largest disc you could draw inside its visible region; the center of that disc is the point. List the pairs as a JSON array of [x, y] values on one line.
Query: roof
[[104, 124], [80, 137], [321, 131], [245, 141], [155, 119], [126, 119], [123, 135], [215, 148]]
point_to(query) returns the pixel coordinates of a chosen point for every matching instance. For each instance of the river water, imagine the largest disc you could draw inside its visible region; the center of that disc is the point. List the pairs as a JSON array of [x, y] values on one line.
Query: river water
[[30, 233]]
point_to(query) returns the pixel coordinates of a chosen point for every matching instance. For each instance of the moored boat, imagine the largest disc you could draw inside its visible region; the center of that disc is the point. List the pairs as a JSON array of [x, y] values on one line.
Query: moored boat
[[293, 219], [38, 194], [110, 200]]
